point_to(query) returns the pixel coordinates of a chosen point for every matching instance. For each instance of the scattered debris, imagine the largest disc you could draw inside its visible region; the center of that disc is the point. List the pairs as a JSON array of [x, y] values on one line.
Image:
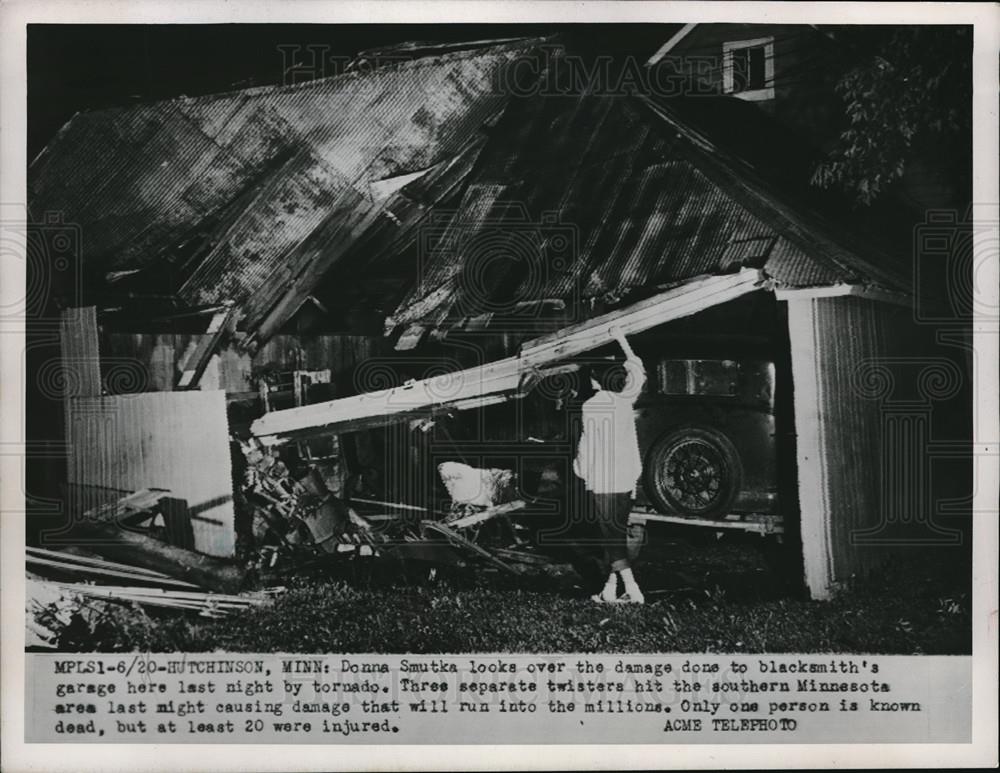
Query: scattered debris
[[206, 604], [50, 561]]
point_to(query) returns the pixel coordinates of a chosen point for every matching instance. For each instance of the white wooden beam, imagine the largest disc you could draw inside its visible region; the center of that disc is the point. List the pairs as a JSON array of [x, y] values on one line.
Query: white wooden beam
[[667, 47], [814, 497], [510, 376], [683, 301], [194, 368], [837, 290]]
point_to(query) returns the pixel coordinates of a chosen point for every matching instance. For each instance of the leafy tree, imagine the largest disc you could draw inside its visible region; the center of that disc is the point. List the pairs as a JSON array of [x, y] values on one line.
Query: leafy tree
[[908, 95]]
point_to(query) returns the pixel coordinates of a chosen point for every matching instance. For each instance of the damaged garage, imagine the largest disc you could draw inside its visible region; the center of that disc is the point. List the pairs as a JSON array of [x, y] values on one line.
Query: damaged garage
[[356, 318]]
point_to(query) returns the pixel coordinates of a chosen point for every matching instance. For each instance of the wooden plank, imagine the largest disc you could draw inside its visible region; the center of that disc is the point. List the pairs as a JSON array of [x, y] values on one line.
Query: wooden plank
[[164, 598], [127, 506], [391, 505], [172, 440], [685, 300], [810, 445], [66, 567], [763, 524], [220, 598], [459, 541], [195, 366], [136, 547], [58, 555], [523, 557], [667, 47], [478, 382], [487, 514]]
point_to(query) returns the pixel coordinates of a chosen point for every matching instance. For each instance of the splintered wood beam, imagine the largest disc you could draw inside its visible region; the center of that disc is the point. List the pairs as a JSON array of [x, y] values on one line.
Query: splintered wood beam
[[147, 552], [467, 387], [510, 377], [682, 301], [195, 366]]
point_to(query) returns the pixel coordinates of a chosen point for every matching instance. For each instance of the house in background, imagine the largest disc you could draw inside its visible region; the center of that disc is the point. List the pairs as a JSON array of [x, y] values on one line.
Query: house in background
[[786, 70], [790, 72]]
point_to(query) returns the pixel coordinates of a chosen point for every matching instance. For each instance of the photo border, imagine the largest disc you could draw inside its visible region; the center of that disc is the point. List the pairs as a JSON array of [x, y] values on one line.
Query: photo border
[[15, 14]]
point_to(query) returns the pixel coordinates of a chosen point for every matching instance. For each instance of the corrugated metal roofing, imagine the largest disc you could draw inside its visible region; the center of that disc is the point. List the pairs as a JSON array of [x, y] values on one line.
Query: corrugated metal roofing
[[578, 197], [228, 186], [253, 196]]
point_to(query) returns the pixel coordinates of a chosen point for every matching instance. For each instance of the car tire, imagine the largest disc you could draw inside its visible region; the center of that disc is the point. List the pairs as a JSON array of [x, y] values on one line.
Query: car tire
[[694, 471]]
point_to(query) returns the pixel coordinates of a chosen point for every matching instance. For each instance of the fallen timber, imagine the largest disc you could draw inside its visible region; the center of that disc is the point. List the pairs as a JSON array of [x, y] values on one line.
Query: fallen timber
[[505, 379], [144, 551], [66, 564]]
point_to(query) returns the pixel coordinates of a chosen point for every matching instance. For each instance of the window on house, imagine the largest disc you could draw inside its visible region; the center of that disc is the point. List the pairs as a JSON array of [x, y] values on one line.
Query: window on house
[[748, 68]]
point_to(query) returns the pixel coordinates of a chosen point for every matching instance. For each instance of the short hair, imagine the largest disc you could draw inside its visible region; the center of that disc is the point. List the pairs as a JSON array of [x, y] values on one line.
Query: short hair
[[614, 377]]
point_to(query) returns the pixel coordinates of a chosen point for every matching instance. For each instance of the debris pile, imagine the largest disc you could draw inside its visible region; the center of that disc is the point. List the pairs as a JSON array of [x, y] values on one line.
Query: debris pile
[[66, 603], [294, 519]]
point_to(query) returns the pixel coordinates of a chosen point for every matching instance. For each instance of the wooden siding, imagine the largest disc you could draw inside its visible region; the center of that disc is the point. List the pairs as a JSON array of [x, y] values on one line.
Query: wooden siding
[[177, 441], [871, 390], [156, 359]]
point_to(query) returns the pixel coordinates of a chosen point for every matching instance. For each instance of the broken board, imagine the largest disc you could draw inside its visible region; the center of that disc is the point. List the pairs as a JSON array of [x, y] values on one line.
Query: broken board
[[507, 378]]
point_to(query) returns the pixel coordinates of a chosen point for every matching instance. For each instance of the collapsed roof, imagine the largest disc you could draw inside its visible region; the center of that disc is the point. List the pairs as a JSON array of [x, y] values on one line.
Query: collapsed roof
[[583, 196], [494, 201], [251, 196]]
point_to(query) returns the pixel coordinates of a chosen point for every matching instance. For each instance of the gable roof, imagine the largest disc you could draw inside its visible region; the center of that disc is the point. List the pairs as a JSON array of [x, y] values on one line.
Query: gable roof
[[590, 196]]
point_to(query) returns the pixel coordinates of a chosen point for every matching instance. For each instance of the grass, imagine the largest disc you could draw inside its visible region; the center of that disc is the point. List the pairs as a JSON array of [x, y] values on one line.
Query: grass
[[714, 598]]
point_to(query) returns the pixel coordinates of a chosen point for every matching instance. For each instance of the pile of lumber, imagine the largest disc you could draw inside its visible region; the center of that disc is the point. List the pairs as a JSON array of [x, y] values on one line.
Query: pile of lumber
[[206, 604], [73, 591], [87, 568]]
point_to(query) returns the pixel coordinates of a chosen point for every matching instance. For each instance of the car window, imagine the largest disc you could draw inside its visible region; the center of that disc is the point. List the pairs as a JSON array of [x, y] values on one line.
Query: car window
[[719, 378]]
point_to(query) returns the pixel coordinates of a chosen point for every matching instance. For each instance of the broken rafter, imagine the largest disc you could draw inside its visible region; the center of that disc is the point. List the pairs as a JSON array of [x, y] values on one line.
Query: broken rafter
[[202, 570], [458, 541], [194, 368], [507, 378], [687, 299]]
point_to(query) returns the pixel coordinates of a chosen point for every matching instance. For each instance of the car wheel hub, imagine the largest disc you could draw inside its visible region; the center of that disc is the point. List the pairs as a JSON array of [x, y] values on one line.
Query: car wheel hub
[[694, 475]]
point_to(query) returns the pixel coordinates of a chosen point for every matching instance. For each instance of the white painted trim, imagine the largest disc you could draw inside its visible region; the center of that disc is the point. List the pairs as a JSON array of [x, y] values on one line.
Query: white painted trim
[[757, 95], [732, 45], [667, 47], [814, 498], [838, 290], [754, 95]]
